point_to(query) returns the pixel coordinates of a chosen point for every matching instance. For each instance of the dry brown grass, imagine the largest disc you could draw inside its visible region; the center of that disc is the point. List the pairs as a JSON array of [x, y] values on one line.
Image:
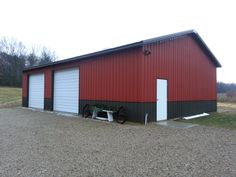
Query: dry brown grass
[[226, 97], [226, 107]]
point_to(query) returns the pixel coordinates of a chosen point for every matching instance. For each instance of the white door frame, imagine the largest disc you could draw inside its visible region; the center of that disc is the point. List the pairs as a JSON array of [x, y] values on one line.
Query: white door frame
[[161, 99]]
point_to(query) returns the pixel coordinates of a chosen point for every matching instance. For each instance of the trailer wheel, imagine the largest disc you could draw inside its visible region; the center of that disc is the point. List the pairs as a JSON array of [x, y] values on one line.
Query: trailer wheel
[[86, 111], [121, 116]]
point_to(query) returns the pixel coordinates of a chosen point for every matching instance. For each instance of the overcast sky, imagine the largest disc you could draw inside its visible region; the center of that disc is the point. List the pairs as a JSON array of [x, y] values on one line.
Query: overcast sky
[[75, 27]]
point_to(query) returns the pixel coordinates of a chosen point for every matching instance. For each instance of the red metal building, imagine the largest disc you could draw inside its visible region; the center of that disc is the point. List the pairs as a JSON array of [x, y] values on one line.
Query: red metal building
[[165, 77]]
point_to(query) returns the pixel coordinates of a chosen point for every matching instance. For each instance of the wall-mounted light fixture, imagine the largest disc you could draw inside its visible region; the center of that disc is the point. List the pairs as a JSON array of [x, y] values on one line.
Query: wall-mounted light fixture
[[147, 52]]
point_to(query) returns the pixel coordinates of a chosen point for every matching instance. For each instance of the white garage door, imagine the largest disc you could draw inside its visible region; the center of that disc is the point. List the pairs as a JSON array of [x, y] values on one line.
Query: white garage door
[[66, 91], [36, 91]]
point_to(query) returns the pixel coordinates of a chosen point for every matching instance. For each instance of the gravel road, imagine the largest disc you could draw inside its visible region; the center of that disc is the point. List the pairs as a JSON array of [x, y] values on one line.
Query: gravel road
[[38, 144]]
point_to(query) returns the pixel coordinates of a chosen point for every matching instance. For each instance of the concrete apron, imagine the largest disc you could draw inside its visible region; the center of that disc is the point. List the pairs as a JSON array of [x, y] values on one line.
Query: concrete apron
[[175, 124]]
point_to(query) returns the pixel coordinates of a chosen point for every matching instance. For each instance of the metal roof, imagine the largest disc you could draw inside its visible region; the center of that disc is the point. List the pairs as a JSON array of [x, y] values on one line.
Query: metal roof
[[193, 33]]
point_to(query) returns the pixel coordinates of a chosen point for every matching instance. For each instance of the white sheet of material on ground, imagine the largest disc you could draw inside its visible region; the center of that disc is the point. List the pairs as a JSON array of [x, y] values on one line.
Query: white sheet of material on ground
[[196, 116]]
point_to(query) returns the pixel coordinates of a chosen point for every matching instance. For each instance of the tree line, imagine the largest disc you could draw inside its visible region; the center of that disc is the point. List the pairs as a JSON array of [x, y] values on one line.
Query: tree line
[[15, 56], [226, 88]]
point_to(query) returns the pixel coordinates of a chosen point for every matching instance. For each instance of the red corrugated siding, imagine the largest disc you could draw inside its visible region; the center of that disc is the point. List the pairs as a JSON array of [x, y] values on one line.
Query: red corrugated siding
[[48, 83], [113, 77], [190, 74], [129, 76], [24, 85]]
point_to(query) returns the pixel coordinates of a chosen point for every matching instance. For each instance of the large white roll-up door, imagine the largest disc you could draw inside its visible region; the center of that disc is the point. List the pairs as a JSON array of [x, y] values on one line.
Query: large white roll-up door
[[36, 91], [66, 90]]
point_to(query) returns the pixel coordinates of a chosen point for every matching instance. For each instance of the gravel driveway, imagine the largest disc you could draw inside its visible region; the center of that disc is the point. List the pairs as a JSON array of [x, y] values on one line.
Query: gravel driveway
[[34, 144]]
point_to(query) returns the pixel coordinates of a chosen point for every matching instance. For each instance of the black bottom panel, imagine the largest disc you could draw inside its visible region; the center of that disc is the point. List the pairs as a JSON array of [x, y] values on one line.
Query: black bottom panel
[[188, 108], [136, 111], [48, 104], [25, 102]]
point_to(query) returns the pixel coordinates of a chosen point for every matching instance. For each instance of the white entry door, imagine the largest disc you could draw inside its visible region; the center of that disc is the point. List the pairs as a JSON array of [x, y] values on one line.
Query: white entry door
[[36, 91], [66, 90], [161, 101]]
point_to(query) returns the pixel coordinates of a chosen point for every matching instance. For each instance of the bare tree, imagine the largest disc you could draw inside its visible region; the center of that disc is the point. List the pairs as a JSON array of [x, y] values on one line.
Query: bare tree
[[47, 56], [14, 57], [12, 47], [32, 58]]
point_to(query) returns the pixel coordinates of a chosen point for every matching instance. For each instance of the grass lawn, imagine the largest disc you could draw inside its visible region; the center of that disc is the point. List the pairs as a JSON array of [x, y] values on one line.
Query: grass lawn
[[224, 120], [10, 96]]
